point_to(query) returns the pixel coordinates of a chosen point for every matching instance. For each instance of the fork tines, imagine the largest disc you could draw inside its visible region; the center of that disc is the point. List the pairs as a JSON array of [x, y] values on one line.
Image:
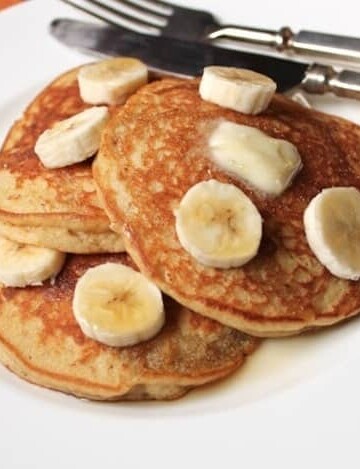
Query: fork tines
[[143, 16]]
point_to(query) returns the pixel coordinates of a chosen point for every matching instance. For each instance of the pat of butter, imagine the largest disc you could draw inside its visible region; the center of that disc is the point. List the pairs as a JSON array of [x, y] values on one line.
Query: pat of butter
[[267, 164]]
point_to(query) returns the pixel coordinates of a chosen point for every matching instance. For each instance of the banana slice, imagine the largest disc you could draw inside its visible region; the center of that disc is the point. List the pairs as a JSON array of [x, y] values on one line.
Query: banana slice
[[117, 306], [111, 81], [267, 164], [22, 264], [237, 88], [72, 140], [218, 225], [332, 227]]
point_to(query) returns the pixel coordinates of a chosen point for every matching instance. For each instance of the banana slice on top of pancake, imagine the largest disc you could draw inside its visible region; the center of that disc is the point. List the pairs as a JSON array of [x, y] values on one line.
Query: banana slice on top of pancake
[[111, 81], [236, 88], [332, 226], [22, 265], [218, 225], [117, 306], [72, 140]]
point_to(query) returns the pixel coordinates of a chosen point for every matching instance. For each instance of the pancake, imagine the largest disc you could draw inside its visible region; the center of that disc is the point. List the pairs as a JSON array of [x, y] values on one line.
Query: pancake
[[41, 342], [55, 208], [155, 149], [58, 208]]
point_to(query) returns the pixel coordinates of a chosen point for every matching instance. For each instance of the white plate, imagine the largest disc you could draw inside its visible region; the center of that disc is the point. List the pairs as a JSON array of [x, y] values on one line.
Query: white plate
[[294, 401]]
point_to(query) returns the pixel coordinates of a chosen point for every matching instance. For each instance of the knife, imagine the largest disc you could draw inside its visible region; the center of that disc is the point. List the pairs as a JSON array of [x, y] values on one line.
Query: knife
[[189, 58]]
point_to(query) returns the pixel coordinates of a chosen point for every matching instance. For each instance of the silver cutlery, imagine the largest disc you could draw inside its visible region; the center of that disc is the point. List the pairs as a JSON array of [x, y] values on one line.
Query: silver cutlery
[[160, 18], [189, 58]]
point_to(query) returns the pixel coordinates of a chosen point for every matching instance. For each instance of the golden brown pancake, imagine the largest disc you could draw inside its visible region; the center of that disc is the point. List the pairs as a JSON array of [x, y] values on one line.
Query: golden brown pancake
[[55, 208], [58, 208], [155, 149], [41, 342]]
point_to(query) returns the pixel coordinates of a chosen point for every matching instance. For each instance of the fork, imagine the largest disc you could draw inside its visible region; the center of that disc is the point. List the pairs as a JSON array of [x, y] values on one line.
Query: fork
[[160, 18]]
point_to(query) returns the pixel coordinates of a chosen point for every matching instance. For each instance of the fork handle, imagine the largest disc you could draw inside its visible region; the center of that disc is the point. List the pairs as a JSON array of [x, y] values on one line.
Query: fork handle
[[343, 48]]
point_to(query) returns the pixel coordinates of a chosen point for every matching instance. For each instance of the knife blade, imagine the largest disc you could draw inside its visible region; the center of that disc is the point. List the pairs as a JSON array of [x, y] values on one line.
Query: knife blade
[[189, 58]]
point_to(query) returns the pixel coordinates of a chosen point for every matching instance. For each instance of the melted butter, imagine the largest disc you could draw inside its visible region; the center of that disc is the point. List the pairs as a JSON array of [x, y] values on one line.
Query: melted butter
[[267, 164]]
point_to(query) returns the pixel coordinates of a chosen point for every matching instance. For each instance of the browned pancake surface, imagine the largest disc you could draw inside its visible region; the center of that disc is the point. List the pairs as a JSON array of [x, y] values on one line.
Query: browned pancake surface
[[155, 149], [41, 341], [58, 101]]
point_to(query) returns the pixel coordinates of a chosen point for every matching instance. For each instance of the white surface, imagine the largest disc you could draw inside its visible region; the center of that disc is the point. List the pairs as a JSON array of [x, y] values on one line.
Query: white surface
[[294, 405]]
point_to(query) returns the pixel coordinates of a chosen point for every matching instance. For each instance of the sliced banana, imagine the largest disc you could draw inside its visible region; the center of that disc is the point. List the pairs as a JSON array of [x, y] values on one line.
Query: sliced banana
[[237, 88], [218, 225], [111, 81], [267, 164], [22, 264], [72, 140], [117, 306], [332, 227]]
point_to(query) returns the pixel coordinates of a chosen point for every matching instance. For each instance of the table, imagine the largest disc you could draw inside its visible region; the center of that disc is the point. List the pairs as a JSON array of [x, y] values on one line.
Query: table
[[7, 3]]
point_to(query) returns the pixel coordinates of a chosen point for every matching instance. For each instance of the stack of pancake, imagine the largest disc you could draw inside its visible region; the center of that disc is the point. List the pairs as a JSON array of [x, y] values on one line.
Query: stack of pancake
[[40, 339], [151, 153]]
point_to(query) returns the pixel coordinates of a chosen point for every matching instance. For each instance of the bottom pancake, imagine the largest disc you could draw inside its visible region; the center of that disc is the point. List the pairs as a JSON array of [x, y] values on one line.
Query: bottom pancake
[[41, 342]]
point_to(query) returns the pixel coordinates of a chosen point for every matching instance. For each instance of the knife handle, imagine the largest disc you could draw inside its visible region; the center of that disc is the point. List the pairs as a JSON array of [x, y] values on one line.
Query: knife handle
[[320, 79], [341, 48]]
